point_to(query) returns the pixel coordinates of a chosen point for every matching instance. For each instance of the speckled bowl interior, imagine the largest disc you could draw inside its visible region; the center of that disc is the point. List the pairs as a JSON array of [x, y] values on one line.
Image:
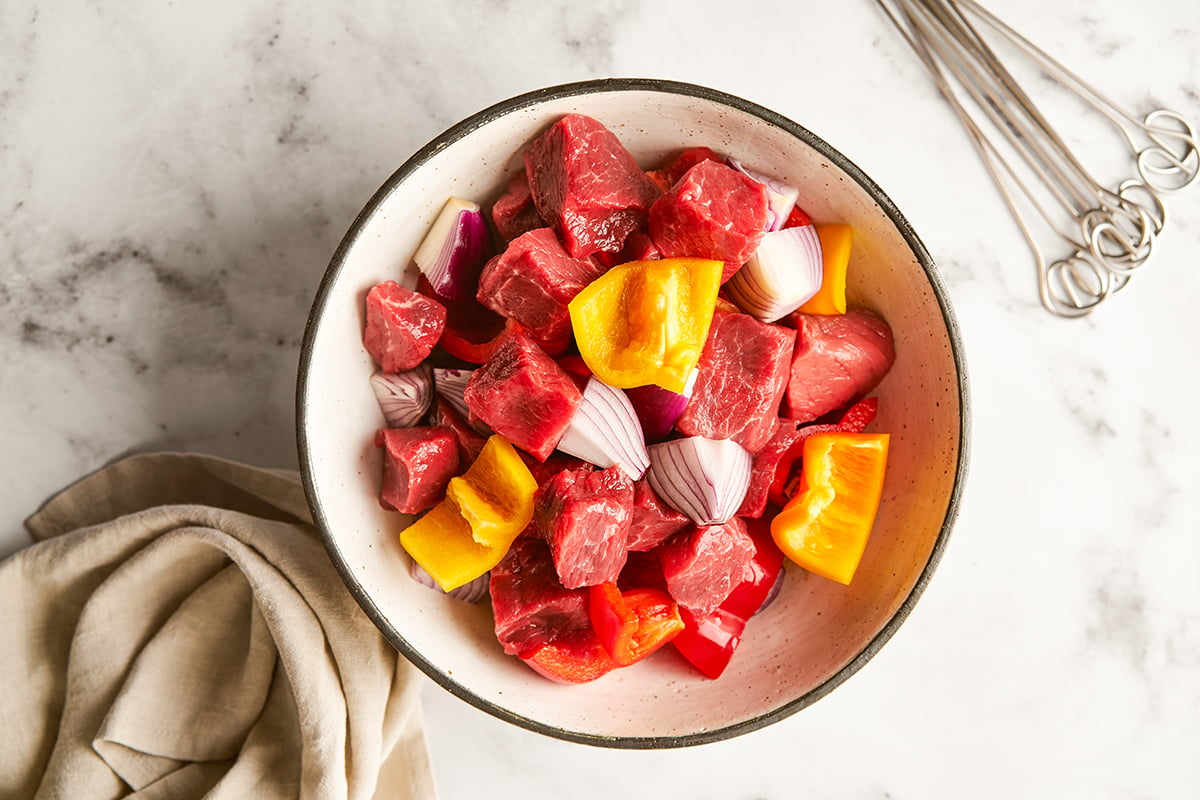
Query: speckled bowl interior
[[817, 633]]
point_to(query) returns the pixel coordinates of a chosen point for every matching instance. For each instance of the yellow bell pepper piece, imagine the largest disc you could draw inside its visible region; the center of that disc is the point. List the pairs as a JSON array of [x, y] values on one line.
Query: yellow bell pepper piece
[[825, 527], [646, 322], [485, 509], [836, 241], [495, 495], [441, 542]]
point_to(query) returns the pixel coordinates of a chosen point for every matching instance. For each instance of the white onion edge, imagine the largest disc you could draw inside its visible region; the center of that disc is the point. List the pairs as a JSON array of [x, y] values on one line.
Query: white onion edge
[[450, 385]]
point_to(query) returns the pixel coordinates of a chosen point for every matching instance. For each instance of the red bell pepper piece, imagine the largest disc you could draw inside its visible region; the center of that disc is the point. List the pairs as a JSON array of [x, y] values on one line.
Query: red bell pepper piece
[[787, 472], [709, 641], [797, 218], [473, 331], [577, 661], [631, 625], [475, 344]]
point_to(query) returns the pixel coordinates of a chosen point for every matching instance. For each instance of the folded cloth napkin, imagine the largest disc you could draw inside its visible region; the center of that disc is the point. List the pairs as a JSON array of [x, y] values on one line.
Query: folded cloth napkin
[[178, 631]]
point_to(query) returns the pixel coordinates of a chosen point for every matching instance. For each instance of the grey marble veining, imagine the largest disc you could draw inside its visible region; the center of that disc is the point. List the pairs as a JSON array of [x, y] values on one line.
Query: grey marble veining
[[175, 177]]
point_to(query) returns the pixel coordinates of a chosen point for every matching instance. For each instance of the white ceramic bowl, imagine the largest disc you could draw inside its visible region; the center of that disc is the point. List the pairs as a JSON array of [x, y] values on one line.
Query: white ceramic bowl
[[817, 633]]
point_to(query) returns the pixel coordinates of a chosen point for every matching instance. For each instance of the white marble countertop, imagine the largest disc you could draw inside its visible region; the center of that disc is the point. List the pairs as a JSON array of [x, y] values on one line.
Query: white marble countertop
[[175, 177]]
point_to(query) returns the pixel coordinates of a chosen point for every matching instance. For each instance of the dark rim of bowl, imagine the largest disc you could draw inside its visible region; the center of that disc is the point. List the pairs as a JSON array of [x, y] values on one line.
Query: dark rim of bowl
[[482, 118]]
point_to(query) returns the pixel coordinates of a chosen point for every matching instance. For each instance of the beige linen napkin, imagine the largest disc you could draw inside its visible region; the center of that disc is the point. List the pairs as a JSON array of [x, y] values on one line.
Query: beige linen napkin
[[178, 631]]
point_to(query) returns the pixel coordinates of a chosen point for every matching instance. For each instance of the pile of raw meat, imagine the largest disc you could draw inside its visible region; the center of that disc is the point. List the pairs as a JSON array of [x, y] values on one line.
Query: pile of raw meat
[[640, 533]]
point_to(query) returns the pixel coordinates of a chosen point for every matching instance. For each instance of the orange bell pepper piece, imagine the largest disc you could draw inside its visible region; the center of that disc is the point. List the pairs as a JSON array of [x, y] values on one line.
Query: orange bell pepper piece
[[825, 527], [836, 241], [646, 322], [485, 509]]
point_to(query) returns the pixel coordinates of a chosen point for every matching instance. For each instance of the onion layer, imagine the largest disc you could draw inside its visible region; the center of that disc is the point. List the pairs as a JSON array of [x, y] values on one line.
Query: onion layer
[[706, 479], [403, 397], [454, 251], [781, 197], [450, 384], [781, 276], [605, 431], [658, 409]]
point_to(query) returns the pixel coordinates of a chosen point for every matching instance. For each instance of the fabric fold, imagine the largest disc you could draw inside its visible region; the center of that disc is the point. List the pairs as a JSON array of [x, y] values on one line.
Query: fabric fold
[[185, 635]]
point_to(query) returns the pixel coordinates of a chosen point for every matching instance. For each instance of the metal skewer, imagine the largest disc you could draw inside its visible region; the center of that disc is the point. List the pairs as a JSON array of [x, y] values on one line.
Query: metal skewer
[[1110, 232]]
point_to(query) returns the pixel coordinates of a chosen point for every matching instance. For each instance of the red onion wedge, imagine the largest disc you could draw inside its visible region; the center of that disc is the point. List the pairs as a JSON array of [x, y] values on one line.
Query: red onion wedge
[[706, 479], [605, 431], [403, 397], [781, 276], [658, 409], [470, 592], [781, 197], [450, 385], [454, 251]]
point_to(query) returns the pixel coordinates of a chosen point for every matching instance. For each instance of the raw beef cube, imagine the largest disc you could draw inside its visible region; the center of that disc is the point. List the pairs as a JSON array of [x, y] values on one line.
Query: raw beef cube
[[584, 514], [587, 186], [702, 565], [653, 520], [838, 359], [402, 326], [514, 213], [521, 394], [638, 247], [713, 211], [678, 166], [530, 607], [543, 471], [417, 465], [532, 281], [743, 372]]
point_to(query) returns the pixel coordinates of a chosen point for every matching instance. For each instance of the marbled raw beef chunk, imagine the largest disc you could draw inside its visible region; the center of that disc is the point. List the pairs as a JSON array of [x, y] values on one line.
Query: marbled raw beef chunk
[[514, 213], [587, 186], [839, 358], [743, 372], [417, 465], [585, 514], [653, 520], [532, 281], [530, 606], [702, 565], [402, 326], [713, 211], [521, 394]]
